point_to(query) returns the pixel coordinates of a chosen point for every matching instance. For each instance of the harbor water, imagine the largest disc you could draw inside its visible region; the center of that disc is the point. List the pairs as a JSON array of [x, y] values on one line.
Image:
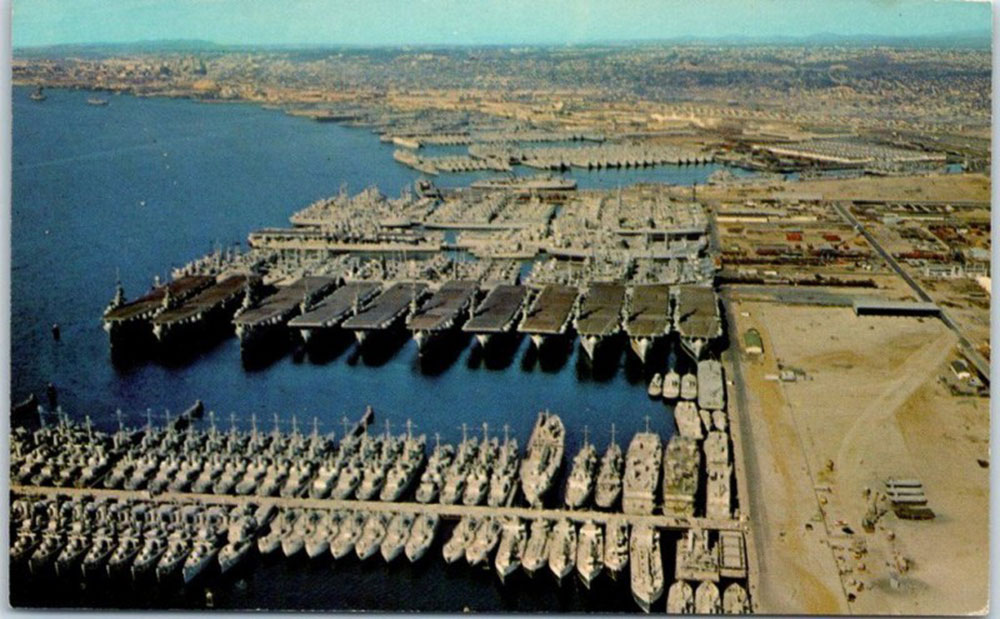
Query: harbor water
[[131, 189]]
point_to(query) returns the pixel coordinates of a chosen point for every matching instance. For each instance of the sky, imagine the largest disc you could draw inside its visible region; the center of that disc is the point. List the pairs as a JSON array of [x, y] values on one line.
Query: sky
[[477, 22]]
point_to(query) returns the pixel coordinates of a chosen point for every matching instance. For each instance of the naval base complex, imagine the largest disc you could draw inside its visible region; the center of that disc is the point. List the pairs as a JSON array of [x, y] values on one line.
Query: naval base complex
[[189, 502]]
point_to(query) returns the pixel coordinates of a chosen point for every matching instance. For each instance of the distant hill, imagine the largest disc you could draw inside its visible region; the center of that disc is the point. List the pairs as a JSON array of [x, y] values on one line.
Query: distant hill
[[957, 40]]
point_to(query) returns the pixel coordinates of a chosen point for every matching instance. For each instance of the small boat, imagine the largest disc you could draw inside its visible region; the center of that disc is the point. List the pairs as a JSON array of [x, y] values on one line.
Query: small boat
[[96, 101], [656, 386], [38, 95]]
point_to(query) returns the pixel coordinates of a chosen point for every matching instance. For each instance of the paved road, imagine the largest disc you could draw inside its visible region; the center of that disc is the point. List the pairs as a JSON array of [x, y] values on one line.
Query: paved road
[[445, 511], [967, 348]]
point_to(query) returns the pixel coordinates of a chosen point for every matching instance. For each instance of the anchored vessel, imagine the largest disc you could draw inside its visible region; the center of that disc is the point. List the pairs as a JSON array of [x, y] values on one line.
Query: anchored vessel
[[647, 317], [543, 458], [128, 323], [549, 314], [697, 317], [386, 311], [590, 552], [443, 312], [642, 472], [497, 314], [711, 390], [196, 319], [599, 316], [647, 566], [681, 463], [328, 313], [609, 477], [260, 323]]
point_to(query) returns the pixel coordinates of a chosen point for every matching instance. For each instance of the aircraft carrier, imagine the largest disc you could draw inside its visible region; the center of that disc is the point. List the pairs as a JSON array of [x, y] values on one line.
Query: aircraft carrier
[[443, 312], [647, 317], [697, 318], [599, 316], [128, 323], [386, 311], [200, 317], [262, 322], [550, 313], [498, 313], [348, 300]]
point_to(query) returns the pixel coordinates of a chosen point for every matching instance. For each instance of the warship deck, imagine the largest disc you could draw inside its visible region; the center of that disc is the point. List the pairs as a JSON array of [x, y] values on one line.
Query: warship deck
[[550, 311], [600, 313], [498, 310], [386, 307], [278, 305], [444, 307], [334, 308], [181, 288], [697, 313], [649, 314], [204, 301]]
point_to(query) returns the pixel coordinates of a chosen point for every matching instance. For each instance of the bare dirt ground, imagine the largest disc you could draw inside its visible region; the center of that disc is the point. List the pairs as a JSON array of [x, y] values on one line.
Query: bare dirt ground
[[870, 402], [923, 187]]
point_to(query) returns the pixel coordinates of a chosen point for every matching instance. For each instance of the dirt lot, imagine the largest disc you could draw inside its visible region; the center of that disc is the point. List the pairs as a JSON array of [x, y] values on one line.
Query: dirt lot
[[868, 400], [924, 187]]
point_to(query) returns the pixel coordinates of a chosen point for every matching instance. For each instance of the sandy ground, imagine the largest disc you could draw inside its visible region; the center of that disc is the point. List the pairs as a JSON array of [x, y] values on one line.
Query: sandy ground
[[925, 187], [871, 403]]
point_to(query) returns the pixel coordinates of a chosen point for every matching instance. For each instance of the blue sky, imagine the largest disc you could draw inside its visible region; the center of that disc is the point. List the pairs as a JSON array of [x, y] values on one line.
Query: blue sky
[[392, 22]]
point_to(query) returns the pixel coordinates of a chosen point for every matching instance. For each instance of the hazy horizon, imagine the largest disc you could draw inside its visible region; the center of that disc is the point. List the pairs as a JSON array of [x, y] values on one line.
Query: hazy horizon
[[385, 23]]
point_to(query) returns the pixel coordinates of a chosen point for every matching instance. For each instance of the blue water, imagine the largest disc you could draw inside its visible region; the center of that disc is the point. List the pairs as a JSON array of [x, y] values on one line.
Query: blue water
[[142, 185]]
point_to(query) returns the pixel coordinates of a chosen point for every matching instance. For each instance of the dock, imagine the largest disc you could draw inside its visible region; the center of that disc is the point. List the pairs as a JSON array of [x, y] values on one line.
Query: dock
[[386, 309], [550, 312], [333, 309], [221, 298], [444, 310], [697, 318], [452, 511], [648, 316]]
